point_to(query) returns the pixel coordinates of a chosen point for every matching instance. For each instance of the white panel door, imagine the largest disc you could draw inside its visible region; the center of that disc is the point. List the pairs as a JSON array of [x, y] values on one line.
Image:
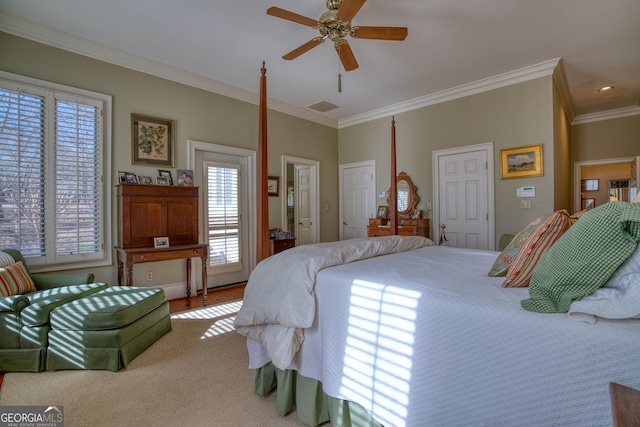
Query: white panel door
[[463, 204], [358, 200], [304, 203]]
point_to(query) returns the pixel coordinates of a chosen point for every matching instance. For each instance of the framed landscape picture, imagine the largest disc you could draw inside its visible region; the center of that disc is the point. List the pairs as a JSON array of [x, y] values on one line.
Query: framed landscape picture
[[521, 162], [152, 141]]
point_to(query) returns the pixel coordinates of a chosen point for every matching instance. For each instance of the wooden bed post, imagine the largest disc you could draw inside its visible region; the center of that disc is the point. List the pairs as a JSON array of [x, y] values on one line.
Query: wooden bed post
[[262, 209], [393, 196]]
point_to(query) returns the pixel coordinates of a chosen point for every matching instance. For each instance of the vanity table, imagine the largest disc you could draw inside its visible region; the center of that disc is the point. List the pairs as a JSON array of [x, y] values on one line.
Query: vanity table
[[409, 221], [410, 227]]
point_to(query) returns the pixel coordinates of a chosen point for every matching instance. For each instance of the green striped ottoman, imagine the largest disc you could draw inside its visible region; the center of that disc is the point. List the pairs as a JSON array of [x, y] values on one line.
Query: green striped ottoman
[[108, 329]]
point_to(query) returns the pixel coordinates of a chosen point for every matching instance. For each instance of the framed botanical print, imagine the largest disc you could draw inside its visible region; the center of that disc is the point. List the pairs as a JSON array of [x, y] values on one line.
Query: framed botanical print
[[152, 141]]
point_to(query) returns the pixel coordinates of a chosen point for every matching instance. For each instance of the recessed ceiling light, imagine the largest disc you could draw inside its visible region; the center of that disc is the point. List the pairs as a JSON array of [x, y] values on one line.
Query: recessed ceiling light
[[605, 89]]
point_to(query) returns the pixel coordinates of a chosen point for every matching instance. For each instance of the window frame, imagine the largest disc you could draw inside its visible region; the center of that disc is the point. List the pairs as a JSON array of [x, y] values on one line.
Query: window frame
[[103, 257], [230, 267]]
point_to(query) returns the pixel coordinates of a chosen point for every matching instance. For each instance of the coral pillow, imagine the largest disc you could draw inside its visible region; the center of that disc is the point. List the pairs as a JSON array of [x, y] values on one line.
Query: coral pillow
[[14, 280], [534, 247], [503, 262]]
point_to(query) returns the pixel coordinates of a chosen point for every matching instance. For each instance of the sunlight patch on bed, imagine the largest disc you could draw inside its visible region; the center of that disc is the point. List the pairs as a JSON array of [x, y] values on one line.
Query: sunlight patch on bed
[[379, 349], [223, 314]]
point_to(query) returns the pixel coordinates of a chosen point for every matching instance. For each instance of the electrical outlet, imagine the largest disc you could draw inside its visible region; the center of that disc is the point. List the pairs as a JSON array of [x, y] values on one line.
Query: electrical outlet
[[149, 276]]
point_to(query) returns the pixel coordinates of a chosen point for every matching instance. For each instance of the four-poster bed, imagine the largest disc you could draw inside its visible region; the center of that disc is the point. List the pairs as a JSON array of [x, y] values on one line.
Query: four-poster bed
[[398, 331]]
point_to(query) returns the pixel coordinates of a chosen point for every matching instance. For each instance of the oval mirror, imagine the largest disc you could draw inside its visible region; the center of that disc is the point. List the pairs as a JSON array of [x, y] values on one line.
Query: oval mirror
[[407, 195]]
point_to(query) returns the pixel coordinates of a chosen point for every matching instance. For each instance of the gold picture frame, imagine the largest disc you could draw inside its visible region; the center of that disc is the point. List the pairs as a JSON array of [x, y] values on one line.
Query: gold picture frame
[[521, 162], [152, 141]]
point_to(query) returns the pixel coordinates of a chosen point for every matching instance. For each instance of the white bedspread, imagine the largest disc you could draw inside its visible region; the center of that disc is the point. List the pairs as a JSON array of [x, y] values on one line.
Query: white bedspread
[[279, 298], [425, 338]]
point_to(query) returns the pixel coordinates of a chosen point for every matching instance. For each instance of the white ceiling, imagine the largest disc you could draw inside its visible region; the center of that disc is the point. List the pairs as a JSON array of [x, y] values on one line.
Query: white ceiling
[[451, 45]]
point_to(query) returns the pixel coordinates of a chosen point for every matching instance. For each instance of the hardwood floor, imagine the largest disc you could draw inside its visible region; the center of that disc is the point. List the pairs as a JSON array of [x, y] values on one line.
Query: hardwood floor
[[214, 296]]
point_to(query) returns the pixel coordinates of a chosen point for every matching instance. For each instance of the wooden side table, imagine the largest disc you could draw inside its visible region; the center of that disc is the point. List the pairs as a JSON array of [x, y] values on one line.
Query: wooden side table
[[279, 245], [128, 257]]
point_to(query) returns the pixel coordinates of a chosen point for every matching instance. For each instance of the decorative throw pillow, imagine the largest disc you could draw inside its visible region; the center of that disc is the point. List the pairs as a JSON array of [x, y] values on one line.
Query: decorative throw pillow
[[6, 259], [14, 280], [576, 216], [618, 298], [534, 247], [508, 254], [585, 257]]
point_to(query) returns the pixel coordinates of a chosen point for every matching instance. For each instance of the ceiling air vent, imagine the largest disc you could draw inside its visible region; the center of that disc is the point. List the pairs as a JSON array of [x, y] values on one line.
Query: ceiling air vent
[[322, 106]]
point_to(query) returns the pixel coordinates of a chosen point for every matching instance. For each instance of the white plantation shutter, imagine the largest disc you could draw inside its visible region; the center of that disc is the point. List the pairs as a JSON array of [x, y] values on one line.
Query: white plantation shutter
[[77, 177], [223, 216], [51, 186], [22, 136]]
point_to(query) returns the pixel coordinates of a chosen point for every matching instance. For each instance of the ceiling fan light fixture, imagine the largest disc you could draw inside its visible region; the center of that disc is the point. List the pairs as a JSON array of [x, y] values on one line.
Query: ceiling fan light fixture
[[333, 4]]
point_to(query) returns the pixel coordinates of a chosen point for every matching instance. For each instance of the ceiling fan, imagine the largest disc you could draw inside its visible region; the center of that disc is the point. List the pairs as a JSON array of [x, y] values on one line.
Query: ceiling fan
[[335, 24]]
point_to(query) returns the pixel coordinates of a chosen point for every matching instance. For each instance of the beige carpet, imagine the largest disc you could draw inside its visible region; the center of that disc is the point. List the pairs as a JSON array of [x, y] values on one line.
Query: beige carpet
[[196, 375]]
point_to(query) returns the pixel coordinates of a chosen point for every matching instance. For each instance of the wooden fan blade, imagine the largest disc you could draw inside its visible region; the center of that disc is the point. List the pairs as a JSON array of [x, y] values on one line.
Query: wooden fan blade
[[346, 55], [380, 33], [348, 9], [304, 48], [290, 16]]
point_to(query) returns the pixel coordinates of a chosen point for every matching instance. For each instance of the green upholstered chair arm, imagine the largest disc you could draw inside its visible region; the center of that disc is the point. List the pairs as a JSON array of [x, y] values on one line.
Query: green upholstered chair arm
[[14, 303], [49, 281]]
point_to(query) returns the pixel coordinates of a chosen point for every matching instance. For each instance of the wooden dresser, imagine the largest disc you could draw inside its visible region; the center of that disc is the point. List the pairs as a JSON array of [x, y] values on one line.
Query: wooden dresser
[[149, 211], [406, 227], [279, 245]]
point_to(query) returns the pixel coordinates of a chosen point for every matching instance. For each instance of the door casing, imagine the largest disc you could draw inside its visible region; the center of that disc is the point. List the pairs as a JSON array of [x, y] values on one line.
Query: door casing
[[435, 155], [314, 166]]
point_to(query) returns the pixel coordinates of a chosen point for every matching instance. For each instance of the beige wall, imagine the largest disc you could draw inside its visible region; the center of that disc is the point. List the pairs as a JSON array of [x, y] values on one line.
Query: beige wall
[[512, 116], [607, 139], [199, 115], [562, 156]]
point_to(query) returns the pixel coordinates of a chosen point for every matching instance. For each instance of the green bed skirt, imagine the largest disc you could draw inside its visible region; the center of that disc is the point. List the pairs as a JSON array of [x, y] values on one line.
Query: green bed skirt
[[313, 407]]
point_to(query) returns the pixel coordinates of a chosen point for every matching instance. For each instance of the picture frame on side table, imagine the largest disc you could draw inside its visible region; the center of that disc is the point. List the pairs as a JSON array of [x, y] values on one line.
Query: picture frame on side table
[[130, 178], [383, 212], [152, 141], [521, 162], [162, 180], [160, 242], [166, 174], [185, 177]]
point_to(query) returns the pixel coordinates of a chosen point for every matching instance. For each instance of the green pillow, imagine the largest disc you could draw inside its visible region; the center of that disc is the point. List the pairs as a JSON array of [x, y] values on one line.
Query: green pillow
[[584, 257]]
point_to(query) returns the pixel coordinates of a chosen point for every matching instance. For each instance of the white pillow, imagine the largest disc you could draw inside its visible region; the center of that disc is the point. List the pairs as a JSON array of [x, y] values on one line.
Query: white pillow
[[618, 298]]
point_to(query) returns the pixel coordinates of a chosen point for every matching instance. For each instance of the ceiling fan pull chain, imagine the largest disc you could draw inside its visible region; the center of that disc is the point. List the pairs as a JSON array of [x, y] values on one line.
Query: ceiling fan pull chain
[[339, 75]]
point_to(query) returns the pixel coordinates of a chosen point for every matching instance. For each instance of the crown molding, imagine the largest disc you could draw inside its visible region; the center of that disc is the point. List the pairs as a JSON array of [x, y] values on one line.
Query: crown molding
[[62, 40], [501, 80], [607, 115]]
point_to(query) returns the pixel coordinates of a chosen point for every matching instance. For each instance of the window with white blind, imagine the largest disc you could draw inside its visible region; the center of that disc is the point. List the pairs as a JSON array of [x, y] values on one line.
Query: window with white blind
[[223, 216], [52, 194]]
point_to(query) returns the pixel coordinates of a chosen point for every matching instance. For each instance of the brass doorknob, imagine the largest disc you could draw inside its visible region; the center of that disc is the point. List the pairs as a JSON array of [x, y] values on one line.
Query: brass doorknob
[[344, 223]]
